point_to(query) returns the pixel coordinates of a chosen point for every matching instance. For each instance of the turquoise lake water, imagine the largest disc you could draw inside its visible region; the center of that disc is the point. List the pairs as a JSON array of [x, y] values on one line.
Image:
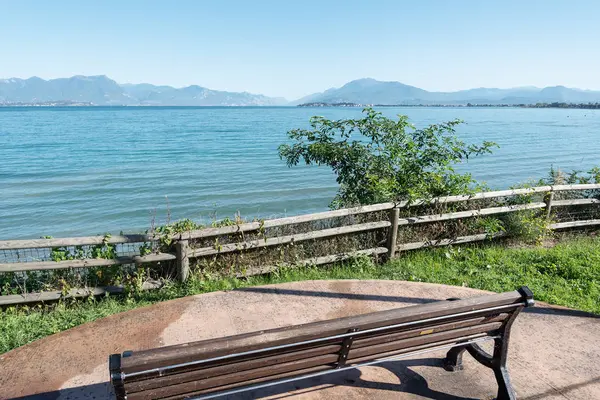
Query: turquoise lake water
[[86, 171]]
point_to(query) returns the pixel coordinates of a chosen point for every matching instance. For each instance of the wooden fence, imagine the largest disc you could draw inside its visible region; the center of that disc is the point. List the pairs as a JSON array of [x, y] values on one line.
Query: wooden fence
[[183, 251]]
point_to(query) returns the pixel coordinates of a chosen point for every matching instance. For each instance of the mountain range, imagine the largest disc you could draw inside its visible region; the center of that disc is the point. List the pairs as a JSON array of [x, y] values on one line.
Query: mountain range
[[371, 91], [101, 90]]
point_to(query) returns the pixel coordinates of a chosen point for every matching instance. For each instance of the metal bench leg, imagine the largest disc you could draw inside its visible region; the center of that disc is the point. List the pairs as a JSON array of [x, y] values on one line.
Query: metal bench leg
[[114, 365], [496, 361], [453, 361], [505, 389]]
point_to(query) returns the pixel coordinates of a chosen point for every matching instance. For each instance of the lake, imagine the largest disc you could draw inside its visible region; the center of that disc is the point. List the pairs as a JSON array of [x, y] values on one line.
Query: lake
[[86, 171]]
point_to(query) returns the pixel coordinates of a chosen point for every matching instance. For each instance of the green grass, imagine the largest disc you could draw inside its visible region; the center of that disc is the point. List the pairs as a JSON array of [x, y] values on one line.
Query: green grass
[[567, 274]]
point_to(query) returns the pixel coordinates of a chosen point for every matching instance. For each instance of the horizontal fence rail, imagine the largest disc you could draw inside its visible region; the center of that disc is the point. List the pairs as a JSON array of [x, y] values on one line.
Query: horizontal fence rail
[[471, 213], [208, 251], [75, 241], [91, 262], [182, 251]]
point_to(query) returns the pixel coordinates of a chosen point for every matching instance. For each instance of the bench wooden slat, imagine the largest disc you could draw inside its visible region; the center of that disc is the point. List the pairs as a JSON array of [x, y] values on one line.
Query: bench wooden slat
[[423, 347], [406, 334], [377, 349], [210, 372], [297, 365], [155, 358], [250, 382]]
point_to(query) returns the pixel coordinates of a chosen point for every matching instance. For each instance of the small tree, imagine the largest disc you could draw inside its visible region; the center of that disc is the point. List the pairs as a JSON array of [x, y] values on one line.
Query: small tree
[[377, 159]]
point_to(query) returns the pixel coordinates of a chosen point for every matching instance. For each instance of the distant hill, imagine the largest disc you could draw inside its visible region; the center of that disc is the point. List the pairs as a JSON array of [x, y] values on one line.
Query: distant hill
[[94, 89], [101, 90], [195, 95], [371, 91]]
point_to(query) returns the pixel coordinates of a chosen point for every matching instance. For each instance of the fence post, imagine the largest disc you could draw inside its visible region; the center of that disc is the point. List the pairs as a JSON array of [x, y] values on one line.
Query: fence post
[[182, 248], [393, 232], [548, 200]]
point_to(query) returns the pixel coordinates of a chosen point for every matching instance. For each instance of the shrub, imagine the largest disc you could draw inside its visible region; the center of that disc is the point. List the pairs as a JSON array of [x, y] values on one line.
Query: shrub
[[377, 159], [530, 226]]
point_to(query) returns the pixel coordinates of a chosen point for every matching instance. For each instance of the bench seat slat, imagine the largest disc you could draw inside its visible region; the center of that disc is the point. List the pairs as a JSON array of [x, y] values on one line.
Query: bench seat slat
[[226, 368], [250, 382], [421, 332], [237, 377], [377, 349], [156, 358], [393, 353]]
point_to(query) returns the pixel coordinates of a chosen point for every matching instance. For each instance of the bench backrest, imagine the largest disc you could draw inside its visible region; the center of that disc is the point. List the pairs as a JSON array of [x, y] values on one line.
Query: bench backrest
[[224, 364]]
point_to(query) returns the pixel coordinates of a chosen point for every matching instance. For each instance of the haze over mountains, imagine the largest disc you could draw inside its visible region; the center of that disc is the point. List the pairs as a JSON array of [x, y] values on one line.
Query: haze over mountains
[[101, 90]]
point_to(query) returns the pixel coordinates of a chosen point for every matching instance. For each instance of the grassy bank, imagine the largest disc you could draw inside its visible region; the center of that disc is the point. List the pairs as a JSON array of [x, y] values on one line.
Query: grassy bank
[[567, 274]]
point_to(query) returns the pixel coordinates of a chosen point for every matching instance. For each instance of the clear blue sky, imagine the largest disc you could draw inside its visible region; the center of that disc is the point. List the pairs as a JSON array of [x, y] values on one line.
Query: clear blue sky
[[296, 47]]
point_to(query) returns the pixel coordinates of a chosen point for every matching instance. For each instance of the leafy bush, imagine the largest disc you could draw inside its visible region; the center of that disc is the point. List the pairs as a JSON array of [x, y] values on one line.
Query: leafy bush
[[530, 226], [490, 225], [377, 159]]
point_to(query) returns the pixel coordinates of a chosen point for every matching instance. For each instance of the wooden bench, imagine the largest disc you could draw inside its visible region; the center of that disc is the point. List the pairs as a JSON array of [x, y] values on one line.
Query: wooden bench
[[235, 364]]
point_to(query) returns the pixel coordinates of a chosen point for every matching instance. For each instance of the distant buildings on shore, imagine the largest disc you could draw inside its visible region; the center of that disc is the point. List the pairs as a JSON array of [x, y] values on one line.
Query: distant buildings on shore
[[589, 106], [58, 103]]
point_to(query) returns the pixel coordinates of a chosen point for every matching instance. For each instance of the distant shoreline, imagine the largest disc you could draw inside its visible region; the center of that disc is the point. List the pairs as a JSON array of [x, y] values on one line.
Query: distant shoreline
[[69, 104], [589, 106], [56, 103]]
